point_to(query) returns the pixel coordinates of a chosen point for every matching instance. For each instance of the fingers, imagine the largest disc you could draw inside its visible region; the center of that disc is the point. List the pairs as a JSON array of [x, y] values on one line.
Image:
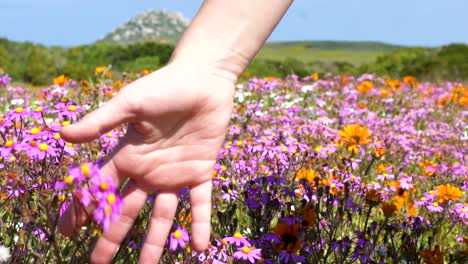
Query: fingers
[[76, 214], [109, 242], [92, 126], [200, 204], [164, 210]]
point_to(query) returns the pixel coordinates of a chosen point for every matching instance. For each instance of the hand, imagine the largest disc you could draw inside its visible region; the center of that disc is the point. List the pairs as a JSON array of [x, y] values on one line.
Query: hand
[[177, 118]]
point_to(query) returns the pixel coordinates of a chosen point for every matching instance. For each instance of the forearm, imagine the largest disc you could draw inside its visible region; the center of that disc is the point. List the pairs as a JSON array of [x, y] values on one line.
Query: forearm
[[227, 34]]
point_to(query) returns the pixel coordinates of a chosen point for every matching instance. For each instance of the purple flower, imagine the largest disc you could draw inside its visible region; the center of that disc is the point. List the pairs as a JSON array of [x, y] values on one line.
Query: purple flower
[[435, 207], [178, 238], [5, 80], [287, 257], [248, 253]]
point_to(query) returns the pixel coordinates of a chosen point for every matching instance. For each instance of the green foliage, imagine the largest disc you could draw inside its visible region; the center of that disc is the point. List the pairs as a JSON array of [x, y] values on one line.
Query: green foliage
[[36, 64], [39, 67]]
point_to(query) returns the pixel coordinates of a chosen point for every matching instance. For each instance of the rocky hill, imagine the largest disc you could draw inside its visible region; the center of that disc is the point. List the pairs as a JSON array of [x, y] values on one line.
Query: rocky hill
[[160, 25]]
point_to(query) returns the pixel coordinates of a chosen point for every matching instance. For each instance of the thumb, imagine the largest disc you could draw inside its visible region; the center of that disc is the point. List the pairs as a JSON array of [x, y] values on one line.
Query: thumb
[[114, 113]]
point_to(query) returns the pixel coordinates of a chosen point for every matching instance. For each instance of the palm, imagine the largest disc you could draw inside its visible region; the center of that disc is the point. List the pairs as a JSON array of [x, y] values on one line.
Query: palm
[[177, 124]]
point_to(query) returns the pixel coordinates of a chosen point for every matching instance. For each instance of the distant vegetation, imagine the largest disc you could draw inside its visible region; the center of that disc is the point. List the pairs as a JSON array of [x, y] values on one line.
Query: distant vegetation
[[38, 65]]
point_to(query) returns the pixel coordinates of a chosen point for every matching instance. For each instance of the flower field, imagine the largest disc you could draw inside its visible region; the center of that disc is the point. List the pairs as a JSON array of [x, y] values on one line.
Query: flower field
[[324, 169]]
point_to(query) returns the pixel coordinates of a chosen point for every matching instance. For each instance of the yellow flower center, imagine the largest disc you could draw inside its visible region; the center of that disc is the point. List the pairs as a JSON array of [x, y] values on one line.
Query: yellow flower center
[[9, 143], [111, 198], [103, 186], [12, 158], [238, 235], [109, 135], [68, 144], [436, 204], [57, 136], [463, 210], [246, 250], [38, 109], [177, 234], [85, 170], [35, 131], [19, 110], [333, 185], [43, 147], [72, 108], [423, 198], [65, 123], [68, 179]]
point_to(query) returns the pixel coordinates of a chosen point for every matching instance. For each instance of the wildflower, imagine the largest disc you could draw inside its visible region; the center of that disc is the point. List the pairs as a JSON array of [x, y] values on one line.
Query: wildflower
[[373, 197], [248, 253], [4, 80], [448, 192], [18, 114], [41, 150], [60, 80], [308, 174], [289, 240], [461, 210], [100, 70], [410, 81], [435, 207], [365, 86], [238, 239], [388, 209], [432, 257], [178, 239], [4, 253], [355, 135], [144, 72]]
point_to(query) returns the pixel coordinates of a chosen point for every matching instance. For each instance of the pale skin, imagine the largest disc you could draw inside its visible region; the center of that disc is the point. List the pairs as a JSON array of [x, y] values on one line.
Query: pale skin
[[177, 117]]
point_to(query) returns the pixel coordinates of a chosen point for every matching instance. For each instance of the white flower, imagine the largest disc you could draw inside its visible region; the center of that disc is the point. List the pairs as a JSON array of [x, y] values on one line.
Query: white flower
[[4, 253], [17, 101]]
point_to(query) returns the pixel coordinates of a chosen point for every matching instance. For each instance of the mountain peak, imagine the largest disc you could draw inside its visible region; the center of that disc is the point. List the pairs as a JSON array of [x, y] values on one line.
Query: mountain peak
[[160, 25]]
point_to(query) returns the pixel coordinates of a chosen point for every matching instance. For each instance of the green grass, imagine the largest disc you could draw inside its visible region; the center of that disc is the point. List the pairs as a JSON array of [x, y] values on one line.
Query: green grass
[[355, 53]]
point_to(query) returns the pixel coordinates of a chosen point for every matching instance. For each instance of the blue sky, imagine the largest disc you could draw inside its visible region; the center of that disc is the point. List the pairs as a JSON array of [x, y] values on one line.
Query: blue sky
[[407, 22]]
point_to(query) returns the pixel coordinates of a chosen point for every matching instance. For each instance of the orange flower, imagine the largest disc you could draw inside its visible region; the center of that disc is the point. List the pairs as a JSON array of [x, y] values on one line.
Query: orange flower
[[432, 257], [388, 209], [394, 84], [384, 92], [373, 197], [355, 135], [379, 151], [308, 174], [60, 80], [410, 80], [309, 216], [443, 100], [365, 86], [145, 72], [448, 192], [464, 101], [100, 70], [315, 76], [289, 240]]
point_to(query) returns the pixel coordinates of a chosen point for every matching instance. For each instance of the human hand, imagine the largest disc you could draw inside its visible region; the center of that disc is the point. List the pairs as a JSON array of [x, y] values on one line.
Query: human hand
[[177, 120]]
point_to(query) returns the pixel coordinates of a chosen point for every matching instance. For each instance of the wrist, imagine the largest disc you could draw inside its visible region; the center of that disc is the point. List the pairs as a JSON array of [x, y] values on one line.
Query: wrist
[[225, 63]]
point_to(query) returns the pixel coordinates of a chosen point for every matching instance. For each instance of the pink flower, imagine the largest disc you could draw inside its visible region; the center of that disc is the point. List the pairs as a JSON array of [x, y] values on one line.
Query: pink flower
[[178, 239], [238, 239], [248, 253]]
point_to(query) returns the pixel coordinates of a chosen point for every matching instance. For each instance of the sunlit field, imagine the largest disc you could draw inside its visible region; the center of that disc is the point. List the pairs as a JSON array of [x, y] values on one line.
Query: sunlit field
[[321, 169]]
